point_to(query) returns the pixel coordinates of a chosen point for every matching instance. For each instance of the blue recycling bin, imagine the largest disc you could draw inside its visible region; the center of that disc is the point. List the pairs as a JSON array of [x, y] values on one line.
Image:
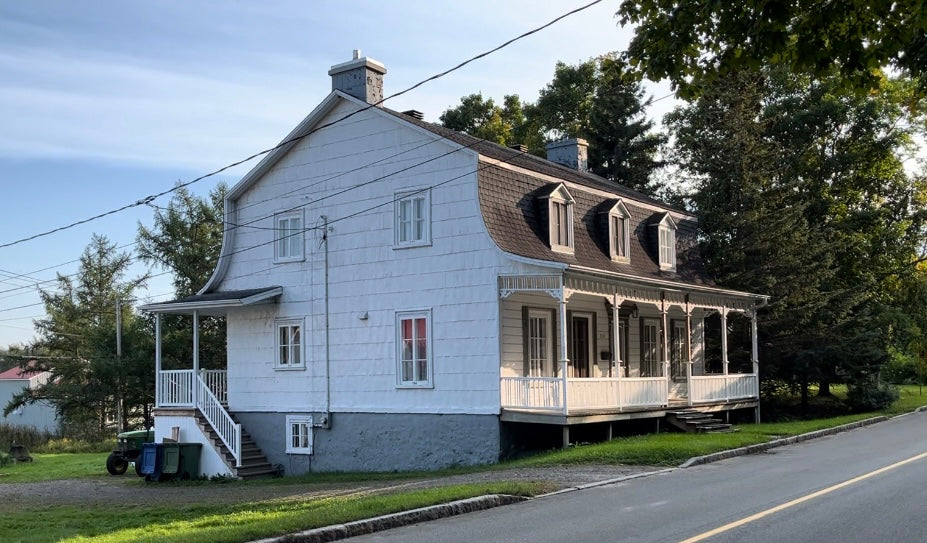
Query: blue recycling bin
[[151, 459]]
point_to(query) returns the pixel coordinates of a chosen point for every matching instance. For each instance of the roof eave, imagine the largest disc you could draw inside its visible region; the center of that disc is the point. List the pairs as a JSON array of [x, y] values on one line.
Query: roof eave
[[212, 305]]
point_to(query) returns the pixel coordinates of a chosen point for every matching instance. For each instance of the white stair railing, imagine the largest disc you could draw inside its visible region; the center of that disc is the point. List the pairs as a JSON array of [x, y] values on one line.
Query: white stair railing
[[229, 431]]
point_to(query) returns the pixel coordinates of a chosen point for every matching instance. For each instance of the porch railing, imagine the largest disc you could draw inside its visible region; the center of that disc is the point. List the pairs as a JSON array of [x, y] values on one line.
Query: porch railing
[[221, 421], [712, 388], [546, 393], [207, 392], [217, 382], [175, 388]]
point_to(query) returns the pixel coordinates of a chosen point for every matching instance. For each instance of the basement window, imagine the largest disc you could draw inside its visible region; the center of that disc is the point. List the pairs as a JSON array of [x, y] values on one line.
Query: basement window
[[299, 434]]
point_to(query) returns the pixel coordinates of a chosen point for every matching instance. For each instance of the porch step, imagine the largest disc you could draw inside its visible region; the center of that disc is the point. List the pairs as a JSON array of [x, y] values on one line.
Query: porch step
[[692, 421], [253, 461]]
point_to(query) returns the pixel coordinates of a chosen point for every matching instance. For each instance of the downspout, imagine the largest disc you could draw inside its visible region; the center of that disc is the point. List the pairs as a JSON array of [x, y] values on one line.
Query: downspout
[[328, 374]]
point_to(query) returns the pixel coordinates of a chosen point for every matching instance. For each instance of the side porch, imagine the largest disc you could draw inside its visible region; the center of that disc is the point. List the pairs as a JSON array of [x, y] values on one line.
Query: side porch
[[581, 349], [194, 402]]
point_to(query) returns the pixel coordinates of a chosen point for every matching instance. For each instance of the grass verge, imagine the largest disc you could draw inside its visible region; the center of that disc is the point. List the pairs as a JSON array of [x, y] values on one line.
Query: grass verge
[[226, 523], [50, 467]]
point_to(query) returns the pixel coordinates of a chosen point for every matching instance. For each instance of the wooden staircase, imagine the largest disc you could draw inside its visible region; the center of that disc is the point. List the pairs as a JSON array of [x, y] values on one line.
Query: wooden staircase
[[694, 422], [253, 462]]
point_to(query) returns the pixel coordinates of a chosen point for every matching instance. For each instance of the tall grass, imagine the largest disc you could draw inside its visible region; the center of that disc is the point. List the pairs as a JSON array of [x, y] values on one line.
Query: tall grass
[[27, 436]]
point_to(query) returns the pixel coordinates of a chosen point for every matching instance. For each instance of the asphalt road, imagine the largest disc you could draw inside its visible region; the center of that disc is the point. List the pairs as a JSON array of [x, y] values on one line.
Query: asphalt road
[[868, 485]]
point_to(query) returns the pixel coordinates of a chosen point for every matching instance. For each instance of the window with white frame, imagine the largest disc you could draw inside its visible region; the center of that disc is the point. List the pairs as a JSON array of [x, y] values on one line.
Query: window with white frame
[[288, 236], [560, 220], [298, 434], [414, 355], [290, 344], [619, 235], [412, 219], [667, 247], [539, 343]]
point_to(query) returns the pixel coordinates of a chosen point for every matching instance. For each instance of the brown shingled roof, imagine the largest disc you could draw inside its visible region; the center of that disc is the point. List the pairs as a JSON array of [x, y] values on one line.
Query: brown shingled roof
[[509, 200]]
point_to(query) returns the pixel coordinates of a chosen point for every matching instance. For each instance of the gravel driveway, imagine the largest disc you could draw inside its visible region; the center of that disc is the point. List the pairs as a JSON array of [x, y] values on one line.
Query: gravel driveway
[[131, 490]]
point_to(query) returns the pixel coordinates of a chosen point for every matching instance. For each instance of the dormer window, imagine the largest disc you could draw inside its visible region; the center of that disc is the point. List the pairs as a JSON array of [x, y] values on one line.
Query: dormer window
[[619, 235], [667, 243], [560, 219]]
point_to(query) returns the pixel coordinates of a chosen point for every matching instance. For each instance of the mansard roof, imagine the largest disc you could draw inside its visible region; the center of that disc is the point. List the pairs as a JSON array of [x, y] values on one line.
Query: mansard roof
[[511, 183]]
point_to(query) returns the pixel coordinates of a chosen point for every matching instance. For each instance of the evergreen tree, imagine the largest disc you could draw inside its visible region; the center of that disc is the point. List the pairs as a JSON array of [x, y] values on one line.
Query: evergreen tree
[[88, 382], [597, 100], [186, 239]]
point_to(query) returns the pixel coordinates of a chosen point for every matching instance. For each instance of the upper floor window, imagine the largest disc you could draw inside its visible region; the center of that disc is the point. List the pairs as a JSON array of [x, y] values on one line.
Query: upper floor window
[[415, 360], [290, 344], [412, 219], [560, 213], [619, 235], [288, 236], [667, 243]]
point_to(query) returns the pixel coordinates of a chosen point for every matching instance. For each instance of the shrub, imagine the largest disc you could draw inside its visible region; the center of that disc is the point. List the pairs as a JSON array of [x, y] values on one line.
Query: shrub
[[5, 459], [871, 396], [23, 435], [65, 445]]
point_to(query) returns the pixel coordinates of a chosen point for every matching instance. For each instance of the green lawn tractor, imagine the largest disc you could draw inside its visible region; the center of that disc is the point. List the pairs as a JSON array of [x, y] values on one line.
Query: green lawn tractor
[[128, 449]]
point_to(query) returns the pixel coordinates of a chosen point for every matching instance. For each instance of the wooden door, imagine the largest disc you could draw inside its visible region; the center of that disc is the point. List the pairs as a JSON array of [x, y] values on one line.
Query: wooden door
[[581, 345]]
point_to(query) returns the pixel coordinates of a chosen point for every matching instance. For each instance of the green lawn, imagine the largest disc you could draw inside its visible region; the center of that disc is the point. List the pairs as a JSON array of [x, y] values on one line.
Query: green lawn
[[242, 522], [224, 523], [50, 467]]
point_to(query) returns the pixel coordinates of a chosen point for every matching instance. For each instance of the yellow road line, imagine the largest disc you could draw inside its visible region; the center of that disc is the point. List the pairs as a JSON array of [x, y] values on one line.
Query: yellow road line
[[813, 495]]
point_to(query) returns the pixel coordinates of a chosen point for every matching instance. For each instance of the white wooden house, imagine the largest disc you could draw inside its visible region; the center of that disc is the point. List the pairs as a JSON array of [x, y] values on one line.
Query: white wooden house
[[401, 296]]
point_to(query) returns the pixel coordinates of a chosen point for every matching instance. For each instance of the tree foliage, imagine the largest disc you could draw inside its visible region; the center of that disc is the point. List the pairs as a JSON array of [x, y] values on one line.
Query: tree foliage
[[802, 195], [88, 380], [700, 42], [186, 239], [597, 100]]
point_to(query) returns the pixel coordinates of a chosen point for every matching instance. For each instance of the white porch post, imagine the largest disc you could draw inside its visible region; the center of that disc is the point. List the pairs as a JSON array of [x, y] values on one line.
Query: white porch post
[[564, 359], [665, 335], [724, 339], [754, 355], [196, 352], [724, 352], [157, 359], [688, 351], [616, 356]]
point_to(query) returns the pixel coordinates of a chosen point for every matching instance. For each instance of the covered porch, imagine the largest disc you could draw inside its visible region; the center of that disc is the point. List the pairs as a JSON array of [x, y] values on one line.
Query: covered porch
[[597, 348], [204, 391]]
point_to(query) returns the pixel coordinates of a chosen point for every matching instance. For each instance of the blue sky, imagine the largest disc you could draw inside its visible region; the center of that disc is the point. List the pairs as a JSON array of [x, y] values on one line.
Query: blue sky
[[106, 102]]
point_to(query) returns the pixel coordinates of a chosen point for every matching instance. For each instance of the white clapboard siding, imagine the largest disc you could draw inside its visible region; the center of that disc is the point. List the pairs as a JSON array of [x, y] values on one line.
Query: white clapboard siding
[[454, 277]]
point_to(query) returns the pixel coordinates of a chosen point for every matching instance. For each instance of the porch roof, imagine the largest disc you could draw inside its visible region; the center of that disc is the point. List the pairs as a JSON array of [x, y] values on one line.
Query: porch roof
[[215, 303]]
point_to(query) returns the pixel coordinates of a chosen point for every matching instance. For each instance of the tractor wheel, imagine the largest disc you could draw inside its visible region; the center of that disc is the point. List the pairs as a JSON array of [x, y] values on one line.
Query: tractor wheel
[[116, 465], [138, 466]]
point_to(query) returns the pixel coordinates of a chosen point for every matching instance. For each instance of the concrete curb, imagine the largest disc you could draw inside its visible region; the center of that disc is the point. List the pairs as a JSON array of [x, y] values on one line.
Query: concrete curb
[[396, 520], [760, 447], [605, 482]]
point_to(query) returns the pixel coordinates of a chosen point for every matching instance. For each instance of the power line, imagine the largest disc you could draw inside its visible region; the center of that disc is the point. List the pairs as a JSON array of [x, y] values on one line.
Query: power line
[[150, 198]]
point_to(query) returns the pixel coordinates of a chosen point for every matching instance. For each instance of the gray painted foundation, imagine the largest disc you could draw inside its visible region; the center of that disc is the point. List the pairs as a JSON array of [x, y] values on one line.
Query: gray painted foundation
[[380, 441]]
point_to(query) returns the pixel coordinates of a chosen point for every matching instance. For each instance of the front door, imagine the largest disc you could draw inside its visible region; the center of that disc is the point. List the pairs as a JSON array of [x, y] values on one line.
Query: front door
[[580, 346]]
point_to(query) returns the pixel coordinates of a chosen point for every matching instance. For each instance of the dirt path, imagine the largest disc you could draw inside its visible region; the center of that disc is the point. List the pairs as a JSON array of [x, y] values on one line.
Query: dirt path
[[131, 490]]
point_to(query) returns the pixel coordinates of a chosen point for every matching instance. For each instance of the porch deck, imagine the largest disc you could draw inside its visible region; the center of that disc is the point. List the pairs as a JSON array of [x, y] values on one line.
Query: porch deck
[[552, 400]]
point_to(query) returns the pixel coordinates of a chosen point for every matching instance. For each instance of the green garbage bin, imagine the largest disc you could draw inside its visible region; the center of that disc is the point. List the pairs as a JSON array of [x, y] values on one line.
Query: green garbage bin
[[189, 462], [170, 459]]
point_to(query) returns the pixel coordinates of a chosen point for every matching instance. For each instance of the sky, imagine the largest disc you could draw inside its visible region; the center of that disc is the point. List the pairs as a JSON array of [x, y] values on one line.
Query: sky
[[104, 103]]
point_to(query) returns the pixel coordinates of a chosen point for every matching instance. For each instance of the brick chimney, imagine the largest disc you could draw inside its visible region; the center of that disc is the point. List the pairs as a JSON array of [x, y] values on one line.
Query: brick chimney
[[572, 153], [361, 77]]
